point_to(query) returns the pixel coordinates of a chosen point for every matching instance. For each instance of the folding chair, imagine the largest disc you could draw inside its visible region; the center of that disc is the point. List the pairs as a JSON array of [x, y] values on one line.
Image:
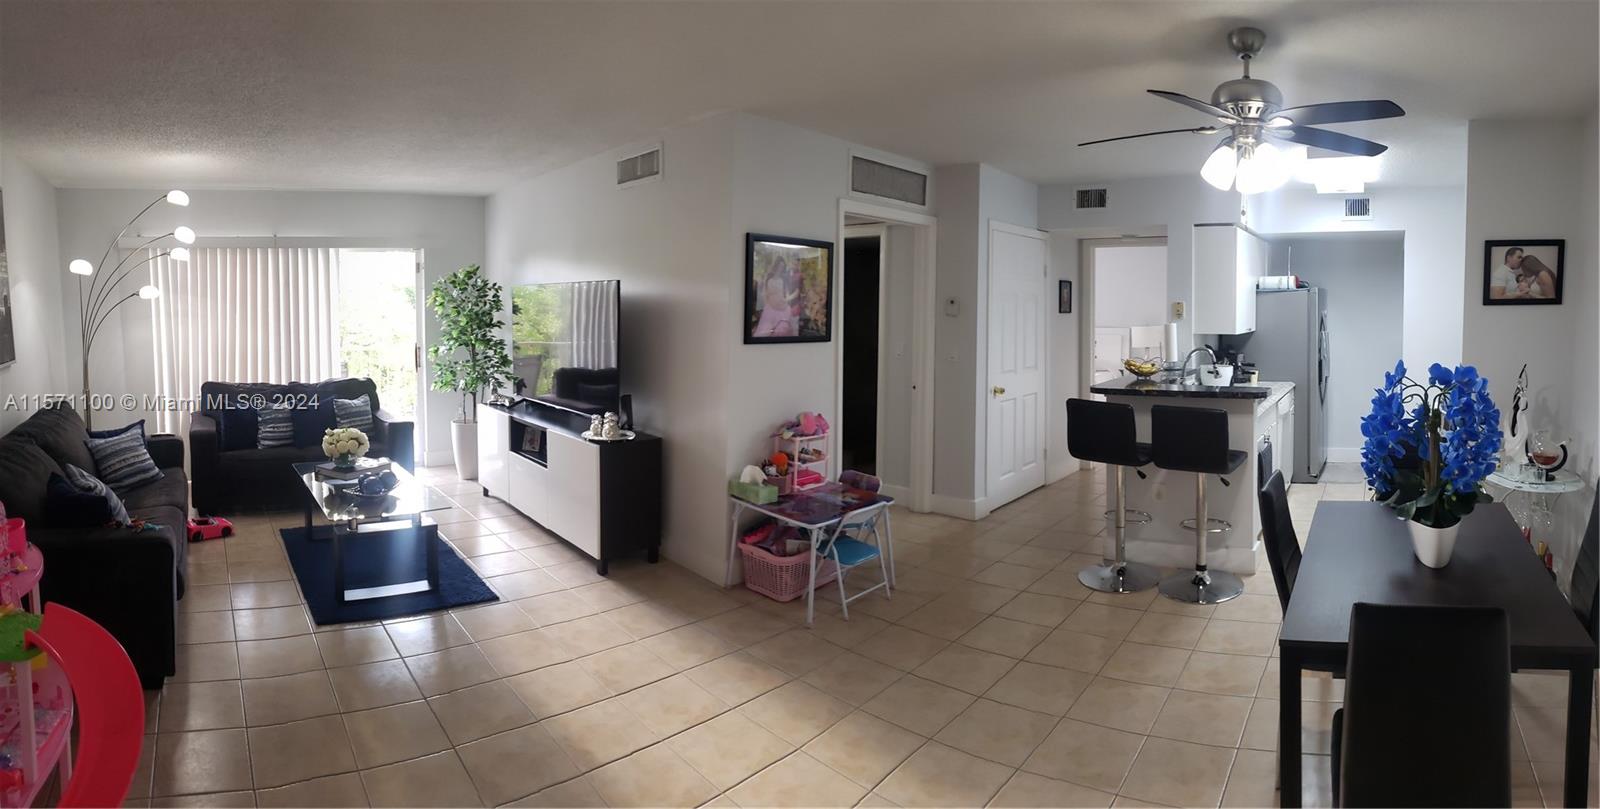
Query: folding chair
[[846, 548]]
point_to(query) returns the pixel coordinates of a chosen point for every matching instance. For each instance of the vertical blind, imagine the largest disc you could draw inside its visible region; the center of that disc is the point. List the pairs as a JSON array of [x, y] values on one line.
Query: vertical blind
[[243, 314]]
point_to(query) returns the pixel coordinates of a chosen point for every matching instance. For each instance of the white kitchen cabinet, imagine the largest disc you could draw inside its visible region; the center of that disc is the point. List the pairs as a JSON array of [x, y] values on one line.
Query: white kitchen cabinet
[[1227, 261]]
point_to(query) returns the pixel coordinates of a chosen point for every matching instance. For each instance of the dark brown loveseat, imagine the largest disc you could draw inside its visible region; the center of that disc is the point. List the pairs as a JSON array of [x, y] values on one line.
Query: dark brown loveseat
[[232, 475], [128, 581]]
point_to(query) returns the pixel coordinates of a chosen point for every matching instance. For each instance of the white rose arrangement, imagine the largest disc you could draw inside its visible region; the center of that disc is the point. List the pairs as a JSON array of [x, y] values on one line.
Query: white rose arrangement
[[345, 444]]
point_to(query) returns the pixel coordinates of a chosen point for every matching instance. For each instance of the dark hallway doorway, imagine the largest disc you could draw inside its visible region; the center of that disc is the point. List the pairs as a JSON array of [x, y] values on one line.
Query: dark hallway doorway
[[859, 428]]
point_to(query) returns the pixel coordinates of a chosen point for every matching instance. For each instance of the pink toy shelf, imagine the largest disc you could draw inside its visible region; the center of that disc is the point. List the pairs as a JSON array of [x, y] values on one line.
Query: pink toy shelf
[[805, 441]]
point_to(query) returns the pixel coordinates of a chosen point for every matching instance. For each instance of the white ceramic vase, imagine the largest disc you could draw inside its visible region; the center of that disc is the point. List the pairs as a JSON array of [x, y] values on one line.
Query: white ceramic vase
[[1432, 545], [464, 444]]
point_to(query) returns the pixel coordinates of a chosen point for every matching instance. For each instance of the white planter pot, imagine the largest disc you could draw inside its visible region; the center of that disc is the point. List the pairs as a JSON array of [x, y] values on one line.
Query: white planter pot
[[1432, 545], [464, 443]]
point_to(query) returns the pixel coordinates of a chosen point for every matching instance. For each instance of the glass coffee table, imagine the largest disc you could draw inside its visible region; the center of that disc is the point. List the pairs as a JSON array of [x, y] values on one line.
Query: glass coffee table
[[391, 527]]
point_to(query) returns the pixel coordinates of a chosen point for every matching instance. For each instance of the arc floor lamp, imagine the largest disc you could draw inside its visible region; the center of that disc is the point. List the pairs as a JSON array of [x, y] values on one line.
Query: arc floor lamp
[[100, 298]]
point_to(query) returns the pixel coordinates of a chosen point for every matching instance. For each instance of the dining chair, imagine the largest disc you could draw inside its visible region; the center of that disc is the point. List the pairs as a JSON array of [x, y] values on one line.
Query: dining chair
[[1277, 528], [1585, 587], [1427, 708]]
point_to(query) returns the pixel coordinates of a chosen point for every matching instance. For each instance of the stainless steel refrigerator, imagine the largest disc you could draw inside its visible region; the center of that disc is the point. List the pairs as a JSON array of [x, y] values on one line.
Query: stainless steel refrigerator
[[1290, 344]]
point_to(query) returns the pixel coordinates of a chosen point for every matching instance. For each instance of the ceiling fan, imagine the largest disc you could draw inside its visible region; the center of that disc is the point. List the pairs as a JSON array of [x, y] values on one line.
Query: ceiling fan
[[1251, 113]]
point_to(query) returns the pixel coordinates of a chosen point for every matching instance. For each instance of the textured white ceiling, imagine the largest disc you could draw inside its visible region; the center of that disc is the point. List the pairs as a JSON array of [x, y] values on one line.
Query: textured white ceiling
[[467, 97]]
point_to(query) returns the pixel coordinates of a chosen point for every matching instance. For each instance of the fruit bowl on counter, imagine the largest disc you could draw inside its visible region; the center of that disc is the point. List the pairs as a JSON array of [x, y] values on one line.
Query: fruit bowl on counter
[[1142, 368]]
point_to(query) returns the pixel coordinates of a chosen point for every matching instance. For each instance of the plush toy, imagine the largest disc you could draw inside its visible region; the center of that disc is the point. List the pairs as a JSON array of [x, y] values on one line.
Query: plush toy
[[780, 462]]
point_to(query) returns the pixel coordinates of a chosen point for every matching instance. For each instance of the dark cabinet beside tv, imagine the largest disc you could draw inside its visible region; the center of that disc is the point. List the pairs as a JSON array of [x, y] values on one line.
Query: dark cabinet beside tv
[[603, 498]]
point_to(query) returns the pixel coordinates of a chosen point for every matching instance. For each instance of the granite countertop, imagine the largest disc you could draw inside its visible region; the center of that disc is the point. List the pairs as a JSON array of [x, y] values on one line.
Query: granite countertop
[[1129, 385]]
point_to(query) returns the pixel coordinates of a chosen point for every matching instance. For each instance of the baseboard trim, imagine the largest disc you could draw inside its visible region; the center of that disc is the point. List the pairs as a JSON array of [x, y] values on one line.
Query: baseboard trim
[[957, 507], [901, 494]]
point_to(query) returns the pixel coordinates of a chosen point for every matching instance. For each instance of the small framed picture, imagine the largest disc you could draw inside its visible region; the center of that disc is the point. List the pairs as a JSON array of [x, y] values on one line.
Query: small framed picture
[[788, 290], [1525, 272], [1064, 293]]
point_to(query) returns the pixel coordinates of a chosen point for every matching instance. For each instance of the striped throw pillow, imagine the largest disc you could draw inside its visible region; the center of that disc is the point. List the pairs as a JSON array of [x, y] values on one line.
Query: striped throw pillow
[[274, 426], [122, 460], [355, 413], [89, 484]]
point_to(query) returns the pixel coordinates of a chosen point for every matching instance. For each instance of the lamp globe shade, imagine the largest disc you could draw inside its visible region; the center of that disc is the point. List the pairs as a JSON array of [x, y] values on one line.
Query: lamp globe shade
[[80, 266], [184, 234], [149, 292], [1220, 167], [178, 198], [179, 254]]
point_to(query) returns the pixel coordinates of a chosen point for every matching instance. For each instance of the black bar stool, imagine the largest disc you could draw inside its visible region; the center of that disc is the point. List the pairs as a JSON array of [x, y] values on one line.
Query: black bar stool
[[1195, 439], [1104, 432]]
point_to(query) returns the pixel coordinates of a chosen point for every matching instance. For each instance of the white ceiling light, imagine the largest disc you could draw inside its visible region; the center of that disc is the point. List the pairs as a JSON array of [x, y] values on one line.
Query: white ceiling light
[[1347, 174], [1220, 167], [80, 266], [178, 198]]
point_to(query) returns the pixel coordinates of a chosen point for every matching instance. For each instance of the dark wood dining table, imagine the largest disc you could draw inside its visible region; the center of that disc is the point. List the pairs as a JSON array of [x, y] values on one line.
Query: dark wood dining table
[[1361, 552]]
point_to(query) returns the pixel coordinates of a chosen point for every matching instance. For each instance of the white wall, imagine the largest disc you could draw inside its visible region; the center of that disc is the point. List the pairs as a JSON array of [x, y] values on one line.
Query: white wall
[[669, 243], [1130, 286], [1363, 281], [1521, 184], [449, 229], [35, 268], [677, 244], [1583, 290], [1432, 219], [971, 198]]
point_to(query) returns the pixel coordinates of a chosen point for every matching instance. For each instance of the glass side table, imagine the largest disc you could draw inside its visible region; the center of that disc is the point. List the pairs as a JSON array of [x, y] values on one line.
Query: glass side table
[[1529, 498]]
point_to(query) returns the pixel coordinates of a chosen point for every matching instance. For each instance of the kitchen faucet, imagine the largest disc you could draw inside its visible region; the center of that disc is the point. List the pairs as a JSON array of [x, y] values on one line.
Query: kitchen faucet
[[1183, 370]]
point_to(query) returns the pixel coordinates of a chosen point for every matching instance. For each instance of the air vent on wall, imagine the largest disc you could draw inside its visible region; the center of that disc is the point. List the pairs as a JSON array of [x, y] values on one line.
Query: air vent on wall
[[889, 182], [639, 167], [1090, 198], [1358, 208]]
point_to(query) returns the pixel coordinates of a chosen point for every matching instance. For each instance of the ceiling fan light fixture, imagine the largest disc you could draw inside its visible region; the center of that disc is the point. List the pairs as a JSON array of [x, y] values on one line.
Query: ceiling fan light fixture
[[1265, 168], [1220, 168], [1279, 122]]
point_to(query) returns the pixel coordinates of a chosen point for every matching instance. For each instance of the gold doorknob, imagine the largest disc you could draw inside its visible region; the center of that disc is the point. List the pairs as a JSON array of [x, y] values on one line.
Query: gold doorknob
[[999, 391]]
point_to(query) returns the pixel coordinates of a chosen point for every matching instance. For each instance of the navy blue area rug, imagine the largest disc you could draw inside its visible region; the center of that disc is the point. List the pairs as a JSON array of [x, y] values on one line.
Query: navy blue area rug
[[371, 560]]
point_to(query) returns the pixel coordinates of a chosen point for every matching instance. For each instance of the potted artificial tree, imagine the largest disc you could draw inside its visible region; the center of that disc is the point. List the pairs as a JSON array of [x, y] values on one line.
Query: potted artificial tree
[[470, 355]]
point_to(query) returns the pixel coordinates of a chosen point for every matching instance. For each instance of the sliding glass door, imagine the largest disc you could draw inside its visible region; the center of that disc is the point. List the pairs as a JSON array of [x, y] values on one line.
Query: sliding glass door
[[377, 317]]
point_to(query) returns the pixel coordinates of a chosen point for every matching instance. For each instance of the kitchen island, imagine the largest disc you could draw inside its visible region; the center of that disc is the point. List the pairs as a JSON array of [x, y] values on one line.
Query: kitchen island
[[1259, 416]]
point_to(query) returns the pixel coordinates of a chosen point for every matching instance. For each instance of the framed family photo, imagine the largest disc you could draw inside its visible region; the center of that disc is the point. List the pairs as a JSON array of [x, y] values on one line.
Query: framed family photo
[[788, 290], [1526, 272]]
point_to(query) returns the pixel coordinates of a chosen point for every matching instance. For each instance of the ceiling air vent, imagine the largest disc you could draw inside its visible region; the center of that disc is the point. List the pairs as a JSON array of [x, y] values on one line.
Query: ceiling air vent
[[1090, 198], [889, 182], [1358, 207], [639, 167]]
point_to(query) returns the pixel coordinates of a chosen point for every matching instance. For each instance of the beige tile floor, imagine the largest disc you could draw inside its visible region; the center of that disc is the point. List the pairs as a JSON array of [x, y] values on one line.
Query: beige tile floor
[[991, 678]]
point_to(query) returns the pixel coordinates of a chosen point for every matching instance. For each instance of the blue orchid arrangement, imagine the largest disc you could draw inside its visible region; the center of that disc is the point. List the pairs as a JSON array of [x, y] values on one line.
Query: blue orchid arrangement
[[1429, 446]]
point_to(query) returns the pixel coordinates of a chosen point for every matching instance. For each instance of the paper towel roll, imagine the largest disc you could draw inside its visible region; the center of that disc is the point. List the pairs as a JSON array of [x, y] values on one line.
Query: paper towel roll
[[1169, 343]]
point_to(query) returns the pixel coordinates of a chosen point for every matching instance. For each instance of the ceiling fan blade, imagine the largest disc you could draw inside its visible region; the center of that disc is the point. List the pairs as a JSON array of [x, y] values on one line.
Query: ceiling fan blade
[[1203, 130], [1332, 141], [1338, 112], [1195, 103]]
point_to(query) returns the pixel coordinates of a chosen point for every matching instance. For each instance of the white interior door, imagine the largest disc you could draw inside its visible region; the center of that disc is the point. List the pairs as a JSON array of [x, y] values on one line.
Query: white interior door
[[1017, 271]]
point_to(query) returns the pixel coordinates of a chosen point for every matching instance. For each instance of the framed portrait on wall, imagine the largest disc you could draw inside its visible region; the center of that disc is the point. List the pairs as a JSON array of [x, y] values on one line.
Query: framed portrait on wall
[[788, 290], [1523, 272]]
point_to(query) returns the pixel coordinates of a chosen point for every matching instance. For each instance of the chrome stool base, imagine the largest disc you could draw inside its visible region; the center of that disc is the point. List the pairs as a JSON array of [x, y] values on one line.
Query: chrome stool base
[[1213, 525], [1202, 587], [1130, 515], [1130, 577]]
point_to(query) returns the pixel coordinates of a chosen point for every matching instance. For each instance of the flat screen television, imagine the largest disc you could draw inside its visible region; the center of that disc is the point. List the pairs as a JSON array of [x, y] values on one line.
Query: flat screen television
[[564, 344]]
